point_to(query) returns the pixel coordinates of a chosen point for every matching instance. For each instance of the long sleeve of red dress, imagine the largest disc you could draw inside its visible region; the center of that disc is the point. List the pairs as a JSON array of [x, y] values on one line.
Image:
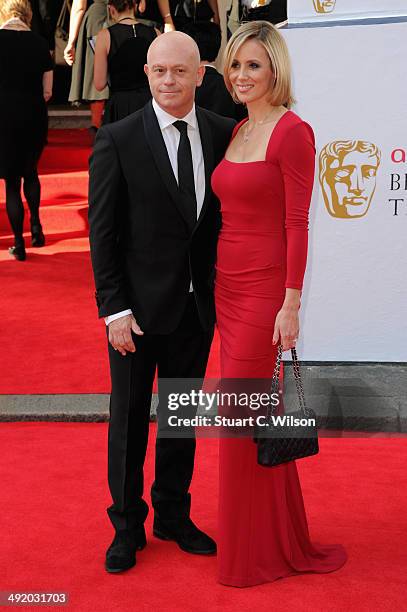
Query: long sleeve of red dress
[[297, 163]]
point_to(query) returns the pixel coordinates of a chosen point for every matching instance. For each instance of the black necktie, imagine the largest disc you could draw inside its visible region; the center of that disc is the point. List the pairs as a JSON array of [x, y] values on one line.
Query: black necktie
[[186, 183]]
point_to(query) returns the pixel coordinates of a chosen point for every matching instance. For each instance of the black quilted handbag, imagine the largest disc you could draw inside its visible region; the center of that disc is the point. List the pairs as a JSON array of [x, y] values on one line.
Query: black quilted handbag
[[285, 438]]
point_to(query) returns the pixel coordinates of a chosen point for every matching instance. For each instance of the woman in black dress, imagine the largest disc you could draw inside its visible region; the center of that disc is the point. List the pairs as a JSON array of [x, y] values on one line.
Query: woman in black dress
[[25, 87], [120, 56]]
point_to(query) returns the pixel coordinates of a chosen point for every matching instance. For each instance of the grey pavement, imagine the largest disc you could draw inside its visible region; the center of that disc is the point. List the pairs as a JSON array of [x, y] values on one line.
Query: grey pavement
[[362, 397], [365, 397], [87, 408]]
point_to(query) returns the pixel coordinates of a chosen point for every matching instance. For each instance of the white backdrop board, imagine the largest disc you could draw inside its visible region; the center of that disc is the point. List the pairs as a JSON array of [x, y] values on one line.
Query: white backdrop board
[[322, 10], [351, 85]]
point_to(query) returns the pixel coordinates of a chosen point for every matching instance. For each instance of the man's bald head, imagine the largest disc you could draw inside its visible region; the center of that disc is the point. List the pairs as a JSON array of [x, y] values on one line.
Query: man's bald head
[[173, 70], [174, 43]]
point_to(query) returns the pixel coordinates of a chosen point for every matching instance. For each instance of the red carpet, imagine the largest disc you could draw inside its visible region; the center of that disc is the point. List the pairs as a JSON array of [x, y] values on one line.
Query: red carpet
[[55, 530], [52, 331]]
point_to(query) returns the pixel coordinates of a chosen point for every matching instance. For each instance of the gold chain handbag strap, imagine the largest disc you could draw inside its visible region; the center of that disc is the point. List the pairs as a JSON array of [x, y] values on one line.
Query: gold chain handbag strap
[[275, 381], [298, 381]]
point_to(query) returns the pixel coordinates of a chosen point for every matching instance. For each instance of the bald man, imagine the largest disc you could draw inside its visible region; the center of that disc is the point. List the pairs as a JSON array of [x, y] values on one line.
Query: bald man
[[154, 223]]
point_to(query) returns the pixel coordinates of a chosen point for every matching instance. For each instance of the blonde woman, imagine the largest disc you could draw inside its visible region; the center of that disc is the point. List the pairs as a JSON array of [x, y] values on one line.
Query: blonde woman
[[264, 184], [25, 87]]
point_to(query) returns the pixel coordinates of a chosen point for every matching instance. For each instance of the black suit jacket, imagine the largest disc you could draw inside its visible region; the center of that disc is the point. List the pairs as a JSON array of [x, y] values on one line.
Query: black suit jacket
[[143, 254], [214, 96]]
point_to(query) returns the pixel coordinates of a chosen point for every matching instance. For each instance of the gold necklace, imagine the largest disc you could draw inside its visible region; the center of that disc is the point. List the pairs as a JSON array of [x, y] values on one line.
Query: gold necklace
[[247, 132], [124, 18]]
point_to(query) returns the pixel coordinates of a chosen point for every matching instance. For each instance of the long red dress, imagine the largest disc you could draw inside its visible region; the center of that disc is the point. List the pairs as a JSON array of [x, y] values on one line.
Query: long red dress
[[263, 532]]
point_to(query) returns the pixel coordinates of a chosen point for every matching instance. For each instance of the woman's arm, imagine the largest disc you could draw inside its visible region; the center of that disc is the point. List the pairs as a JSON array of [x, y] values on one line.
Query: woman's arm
[[47, 80], [77, 12], [297, 162], [164, 7], [214, 6], [100, 66]]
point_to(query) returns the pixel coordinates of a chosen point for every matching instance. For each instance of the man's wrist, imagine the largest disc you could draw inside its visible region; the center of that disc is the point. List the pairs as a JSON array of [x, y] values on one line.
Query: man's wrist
[[117, 315]]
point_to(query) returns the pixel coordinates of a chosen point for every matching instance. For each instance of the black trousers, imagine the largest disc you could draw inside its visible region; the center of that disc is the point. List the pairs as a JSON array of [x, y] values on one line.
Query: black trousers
[[182, 354]]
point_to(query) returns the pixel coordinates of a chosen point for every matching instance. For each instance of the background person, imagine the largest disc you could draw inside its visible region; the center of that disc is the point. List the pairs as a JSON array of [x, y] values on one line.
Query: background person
[[264, 184], [157, 14], [25, 87], [43, 22], [212, 94], [84, 26], [185, 12], [121, 53], [168, 15]]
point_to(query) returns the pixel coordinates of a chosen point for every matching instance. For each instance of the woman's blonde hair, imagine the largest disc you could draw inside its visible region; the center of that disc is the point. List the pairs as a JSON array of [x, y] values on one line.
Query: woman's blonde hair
[[274, 44], [15, 8]]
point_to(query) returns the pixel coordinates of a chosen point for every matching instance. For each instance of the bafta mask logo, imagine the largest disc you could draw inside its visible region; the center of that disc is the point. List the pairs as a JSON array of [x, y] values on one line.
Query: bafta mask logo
[[347, 173], [324, 6]]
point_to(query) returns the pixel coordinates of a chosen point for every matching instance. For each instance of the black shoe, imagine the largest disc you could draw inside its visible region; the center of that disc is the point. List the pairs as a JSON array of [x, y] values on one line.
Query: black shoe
[[187, 535], [121, 554], [37, 236], [141, 540], [18, 251]]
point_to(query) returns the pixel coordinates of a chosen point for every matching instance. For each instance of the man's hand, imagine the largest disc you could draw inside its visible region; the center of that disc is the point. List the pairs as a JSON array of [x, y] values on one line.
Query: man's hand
[[120, 334]]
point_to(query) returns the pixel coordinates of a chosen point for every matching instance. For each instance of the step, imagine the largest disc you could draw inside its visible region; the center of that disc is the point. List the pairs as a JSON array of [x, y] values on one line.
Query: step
[[73, 118], [60, 185], [55, 219], [74, 159], [64, 203], [66, 151]]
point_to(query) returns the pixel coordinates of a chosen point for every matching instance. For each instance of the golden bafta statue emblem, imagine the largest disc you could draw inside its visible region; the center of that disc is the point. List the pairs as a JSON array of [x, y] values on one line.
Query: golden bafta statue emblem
[[347, 173], [324, 6]]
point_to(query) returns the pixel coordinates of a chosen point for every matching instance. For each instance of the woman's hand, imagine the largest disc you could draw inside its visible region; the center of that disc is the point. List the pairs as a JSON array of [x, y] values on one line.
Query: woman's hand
[[169, 25], [78, 10], [287, 328], [287, 324], [69, 53], [47, 80], [164, 6]]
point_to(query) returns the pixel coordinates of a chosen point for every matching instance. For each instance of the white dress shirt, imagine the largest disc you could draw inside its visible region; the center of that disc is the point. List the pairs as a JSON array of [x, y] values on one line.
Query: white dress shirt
[[171, 138]]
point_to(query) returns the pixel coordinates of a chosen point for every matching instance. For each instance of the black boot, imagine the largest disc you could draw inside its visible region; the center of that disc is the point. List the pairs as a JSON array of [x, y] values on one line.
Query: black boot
[[37, 236], [18, 250], [187, 535], [121, 554]]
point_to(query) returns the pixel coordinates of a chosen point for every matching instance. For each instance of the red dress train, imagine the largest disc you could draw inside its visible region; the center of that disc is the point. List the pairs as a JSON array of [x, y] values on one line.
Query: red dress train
[[263, 532]]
